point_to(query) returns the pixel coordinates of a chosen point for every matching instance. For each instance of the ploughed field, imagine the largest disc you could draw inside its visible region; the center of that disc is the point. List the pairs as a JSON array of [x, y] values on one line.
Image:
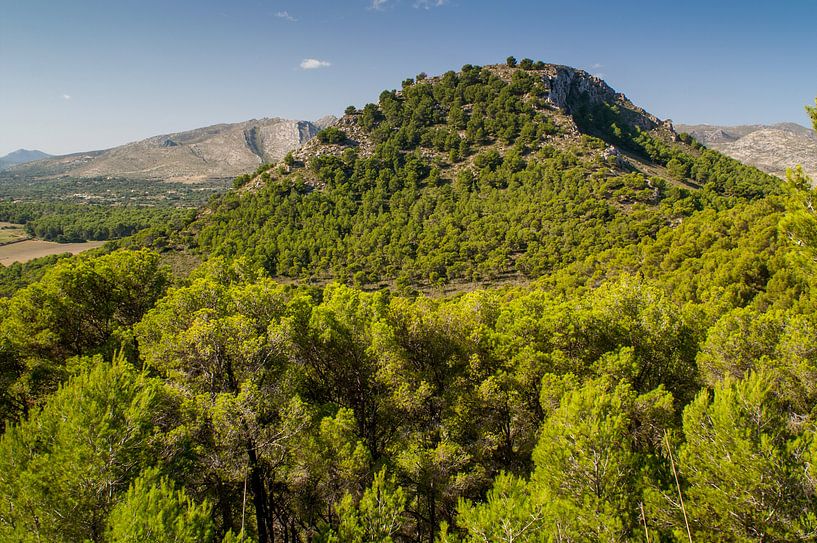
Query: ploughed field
[[23, 251]]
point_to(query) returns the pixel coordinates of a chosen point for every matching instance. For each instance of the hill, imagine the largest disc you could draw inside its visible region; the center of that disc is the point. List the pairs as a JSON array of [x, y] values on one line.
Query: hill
[[772, 148], [491, 173], [220, 151], [21, 156]]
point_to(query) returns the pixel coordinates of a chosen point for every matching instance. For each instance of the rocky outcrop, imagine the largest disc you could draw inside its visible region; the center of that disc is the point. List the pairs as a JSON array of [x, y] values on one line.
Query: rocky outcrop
[[569, 88]]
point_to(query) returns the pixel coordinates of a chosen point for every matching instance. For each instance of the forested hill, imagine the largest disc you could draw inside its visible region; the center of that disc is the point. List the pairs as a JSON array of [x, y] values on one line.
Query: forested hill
[[487, 173], [646, 370]]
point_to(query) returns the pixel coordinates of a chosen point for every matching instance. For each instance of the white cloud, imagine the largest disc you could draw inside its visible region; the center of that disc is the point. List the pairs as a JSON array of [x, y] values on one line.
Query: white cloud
[[380, 5], [428, 4], [596, 66], [66, 96], [314, 64], [286, 16]]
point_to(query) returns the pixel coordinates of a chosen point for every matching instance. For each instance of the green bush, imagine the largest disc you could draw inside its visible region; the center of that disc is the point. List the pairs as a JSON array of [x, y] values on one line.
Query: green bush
[[331, 135]]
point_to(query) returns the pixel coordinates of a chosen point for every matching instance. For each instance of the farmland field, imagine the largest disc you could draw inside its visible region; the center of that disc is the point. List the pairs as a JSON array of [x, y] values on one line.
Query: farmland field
[[23, 251]]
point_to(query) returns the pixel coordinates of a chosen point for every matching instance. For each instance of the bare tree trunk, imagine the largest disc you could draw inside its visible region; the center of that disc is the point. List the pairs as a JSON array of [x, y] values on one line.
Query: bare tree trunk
[[432, 512], [263, 519]]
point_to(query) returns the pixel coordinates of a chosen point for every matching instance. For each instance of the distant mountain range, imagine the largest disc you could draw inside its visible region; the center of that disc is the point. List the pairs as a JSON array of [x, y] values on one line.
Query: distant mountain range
[[21, 156], [771, 148], [220, 151]]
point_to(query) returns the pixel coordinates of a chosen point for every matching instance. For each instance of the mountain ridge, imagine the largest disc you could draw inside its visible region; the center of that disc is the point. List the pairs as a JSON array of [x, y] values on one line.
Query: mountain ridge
[[567, 86], [771, 148], [219, 151]]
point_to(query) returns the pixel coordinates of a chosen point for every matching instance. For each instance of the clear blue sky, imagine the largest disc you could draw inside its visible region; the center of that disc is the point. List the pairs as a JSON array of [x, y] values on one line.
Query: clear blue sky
[[87, 74]]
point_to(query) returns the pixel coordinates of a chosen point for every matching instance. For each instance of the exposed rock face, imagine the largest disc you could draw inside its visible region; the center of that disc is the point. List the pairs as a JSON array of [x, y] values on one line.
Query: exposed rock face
[[569, 87], [214, 152], [771, 148]]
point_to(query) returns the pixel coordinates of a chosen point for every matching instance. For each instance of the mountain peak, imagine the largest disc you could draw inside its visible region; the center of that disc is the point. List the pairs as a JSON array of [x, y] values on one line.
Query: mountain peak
[[325, 121], [576, 94], [21, 156]]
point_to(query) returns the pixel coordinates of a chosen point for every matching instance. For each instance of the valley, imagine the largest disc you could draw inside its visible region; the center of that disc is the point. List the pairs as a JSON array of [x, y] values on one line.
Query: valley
[[102, 195]]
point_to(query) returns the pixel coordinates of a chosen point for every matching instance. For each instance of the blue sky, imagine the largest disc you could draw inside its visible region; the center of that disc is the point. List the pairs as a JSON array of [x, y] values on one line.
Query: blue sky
[[90, 74]]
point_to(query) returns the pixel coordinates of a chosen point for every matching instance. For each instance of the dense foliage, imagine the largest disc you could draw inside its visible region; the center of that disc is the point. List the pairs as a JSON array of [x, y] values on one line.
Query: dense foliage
[[19, 274], [77, 222], [657, 381], [81, 306]]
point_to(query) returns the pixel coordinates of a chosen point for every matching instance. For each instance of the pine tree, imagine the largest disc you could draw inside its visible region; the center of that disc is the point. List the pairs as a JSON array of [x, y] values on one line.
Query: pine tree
[[153, 511], [744, 468], [64, 468]]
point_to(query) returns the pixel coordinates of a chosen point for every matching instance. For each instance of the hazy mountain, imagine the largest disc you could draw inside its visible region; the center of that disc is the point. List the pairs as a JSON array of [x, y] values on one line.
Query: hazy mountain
[[21, 156], [772, 148], [213, 152]]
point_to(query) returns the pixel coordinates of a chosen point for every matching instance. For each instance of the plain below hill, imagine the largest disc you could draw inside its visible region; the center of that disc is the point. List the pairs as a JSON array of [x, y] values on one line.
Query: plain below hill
[[220, 151], [771, 148]]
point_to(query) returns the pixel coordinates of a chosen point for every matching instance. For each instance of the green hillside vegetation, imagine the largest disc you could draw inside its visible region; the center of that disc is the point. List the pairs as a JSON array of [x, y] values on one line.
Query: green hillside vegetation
[[19, 274], [646, 371], [471, 176]]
